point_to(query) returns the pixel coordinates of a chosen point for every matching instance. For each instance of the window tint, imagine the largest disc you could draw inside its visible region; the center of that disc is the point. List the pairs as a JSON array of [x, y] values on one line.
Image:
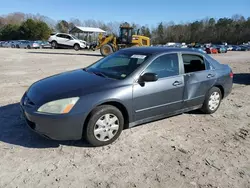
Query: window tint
[[119, 65], [165, 66], [193, 63], [116, 62], [68, 37], [62, 36]]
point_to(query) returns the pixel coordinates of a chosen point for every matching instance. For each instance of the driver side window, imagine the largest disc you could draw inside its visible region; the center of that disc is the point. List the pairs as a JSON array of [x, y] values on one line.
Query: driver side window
[[165, 66]]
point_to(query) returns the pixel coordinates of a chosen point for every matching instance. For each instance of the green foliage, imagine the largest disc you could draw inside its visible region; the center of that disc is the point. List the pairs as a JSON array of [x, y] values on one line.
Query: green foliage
[[28, 30], [235, 30], [145, 31], [232, 30], [63, 26], [9, 32]]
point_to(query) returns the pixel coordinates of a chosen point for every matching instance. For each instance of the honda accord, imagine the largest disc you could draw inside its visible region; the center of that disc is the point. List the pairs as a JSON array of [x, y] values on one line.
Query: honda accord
[[130, 87]]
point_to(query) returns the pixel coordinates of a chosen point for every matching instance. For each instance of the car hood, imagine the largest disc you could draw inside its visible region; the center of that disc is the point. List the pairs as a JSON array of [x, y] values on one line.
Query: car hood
[[65, 85]]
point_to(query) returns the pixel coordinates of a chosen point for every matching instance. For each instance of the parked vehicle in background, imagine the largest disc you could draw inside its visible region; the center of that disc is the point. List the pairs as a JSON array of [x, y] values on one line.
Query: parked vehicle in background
[[9, 44], [28, 44], [244, 48], [199, 48], [229, 48], [66, 41], [46, 45], [220, 48], [43, 44], [236, 48], [211, 50], [127, 88]]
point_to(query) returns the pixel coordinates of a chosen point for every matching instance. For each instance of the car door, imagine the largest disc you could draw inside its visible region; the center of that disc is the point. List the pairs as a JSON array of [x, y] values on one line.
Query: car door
[[61, 39], [199, 77], [163, 96], [69, 41]]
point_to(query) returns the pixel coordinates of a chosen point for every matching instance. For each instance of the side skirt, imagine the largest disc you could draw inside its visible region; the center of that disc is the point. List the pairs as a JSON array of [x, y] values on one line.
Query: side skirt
[[162, 116]]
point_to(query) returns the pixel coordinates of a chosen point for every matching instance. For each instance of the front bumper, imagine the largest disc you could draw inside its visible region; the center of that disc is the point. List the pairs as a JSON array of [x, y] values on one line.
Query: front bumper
[[56, 127], [82, 45]]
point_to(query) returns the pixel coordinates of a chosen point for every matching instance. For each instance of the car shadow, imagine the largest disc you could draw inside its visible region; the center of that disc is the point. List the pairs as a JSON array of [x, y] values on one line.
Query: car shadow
[[242, 78], [13, 130], [66, 53]]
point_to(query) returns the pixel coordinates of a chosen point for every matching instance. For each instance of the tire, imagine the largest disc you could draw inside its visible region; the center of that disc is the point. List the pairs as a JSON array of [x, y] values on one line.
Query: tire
[[17, 46], [28, 47], [106, 50], [212, 101], [105, 133], [54, 45], [77, 47]]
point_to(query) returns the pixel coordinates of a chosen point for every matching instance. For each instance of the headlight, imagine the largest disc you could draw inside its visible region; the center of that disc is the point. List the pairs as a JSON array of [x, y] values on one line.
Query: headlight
[[61, 106]]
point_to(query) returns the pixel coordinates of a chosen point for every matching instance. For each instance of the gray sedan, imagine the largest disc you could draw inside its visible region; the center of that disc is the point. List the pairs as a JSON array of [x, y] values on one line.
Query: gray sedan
[[130, 87], [27, 44]]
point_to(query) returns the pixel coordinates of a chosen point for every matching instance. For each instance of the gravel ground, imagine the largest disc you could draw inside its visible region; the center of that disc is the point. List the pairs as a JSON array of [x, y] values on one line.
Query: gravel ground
[[190, 150]]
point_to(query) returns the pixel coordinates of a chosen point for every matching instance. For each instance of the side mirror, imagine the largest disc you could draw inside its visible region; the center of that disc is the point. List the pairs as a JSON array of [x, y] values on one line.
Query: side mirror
[[149, 77]]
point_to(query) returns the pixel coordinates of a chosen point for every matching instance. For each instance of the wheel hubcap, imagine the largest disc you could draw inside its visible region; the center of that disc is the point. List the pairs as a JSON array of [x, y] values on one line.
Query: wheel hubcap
[[106, 50], [214, 101], [106, 127]]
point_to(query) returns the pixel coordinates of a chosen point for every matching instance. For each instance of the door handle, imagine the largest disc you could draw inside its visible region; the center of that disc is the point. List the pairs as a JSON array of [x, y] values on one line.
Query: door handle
[[210, 75], [176, 83]]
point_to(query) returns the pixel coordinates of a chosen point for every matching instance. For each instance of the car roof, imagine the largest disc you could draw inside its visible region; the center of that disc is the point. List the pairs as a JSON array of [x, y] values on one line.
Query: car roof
[[158, 50]]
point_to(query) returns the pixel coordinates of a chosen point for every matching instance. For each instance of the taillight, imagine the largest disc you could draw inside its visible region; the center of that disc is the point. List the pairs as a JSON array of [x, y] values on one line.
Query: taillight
[[231, 74]]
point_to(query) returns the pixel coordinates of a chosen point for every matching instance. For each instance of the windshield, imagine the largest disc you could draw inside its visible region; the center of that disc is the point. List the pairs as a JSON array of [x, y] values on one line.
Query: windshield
[[74, 37], [119, 65]]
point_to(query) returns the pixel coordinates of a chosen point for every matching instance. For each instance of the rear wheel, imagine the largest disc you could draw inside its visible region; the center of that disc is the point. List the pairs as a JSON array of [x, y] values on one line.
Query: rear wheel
[[106, 50], [17, 46], [54, 45], [212, 100], [77, 47], [28, 47], [104, 126]]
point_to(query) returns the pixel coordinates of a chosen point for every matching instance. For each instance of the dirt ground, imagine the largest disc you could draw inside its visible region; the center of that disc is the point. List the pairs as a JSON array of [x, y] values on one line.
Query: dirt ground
[[190, 150]]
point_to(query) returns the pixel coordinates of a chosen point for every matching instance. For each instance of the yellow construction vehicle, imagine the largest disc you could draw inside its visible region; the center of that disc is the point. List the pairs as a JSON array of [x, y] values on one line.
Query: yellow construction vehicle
[[111, 43]]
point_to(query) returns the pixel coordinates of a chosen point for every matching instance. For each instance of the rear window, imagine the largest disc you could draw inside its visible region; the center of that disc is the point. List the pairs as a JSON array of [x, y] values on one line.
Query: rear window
[[193, 63]]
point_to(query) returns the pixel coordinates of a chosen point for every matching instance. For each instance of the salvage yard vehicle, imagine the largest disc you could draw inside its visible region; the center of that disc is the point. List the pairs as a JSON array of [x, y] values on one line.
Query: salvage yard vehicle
[[8, 44], [111, 43], [44, 44], [211, 50], [27, 44], [66, 41], [220, 48], [130, 87]]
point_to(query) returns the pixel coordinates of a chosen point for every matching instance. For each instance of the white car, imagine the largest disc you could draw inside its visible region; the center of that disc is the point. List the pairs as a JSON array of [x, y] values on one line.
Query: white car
[[66, 41]]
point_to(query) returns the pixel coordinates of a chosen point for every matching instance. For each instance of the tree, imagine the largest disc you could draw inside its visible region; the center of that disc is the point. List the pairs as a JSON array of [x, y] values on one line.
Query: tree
[[160, 34], [62, 26], [34, 30], [9, 32], [145, 31]]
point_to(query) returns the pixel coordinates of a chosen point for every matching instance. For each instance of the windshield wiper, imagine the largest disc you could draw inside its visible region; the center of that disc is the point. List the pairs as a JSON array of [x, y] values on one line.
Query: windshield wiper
[[99, 74]]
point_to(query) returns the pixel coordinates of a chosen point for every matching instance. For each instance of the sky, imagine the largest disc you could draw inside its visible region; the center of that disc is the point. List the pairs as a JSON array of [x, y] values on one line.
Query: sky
[[143, 12]]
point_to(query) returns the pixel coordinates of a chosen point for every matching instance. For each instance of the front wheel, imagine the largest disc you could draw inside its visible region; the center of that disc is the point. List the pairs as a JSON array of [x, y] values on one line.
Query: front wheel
[[212, 101], [106, 50], [77, 47], [104, 126]]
